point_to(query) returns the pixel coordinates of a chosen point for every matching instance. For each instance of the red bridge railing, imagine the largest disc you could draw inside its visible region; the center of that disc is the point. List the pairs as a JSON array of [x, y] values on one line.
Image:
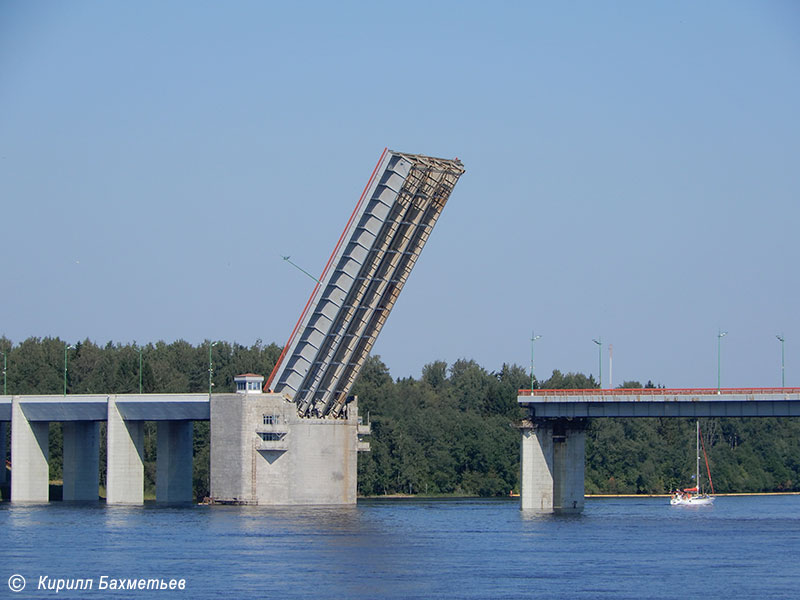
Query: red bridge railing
[[660, 391]]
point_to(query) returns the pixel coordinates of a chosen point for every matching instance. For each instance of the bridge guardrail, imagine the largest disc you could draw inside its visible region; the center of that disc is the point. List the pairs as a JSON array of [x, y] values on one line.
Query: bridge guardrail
[[659, 391]]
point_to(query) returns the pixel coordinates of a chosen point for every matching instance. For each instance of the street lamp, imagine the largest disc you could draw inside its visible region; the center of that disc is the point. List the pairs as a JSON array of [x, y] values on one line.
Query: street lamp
[[611, 366], [720, 334], [140, 365], [533, 339], [599, 342], [783, 370], [210, 367], [299, 268], [66, 347]]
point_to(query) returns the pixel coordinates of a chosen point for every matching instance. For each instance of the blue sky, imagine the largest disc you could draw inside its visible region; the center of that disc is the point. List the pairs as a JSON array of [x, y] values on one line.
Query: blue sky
[[632, 173]]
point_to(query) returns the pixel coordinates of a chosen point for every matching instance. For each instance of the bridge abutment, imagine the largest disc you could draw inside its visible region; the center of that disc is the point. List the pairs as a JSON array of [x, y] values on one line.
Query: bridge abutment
[[174, 462], [125, 458], [552, 463], [81, 460], [30, 453]]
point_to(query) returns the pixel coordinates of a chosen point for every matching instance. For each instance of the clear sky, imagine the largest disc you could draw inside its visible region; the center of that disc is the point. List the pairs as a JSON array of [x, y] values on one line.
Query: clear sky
[[633, 172]]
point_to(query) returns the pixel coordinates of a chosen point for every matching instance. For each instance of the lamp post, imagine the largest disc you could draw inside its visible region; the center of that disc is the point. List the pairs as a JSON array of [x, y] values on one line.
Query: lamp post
[[599, 342], [4, 378], [611, 366], [140, 365], [210, 367], [720, 334], [783, 370], [533, 339], [66, 347], [299, 268]]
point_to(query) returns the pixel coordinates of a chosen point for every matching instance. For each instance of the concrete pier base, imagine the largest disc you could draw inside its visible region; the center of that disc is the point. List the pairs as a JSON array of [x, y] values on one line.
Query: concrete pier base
[[30, 452], [81, 461], [3, 452], [262, 452], [125, 458], [569, 463], [552, 465], [536, 464], [174, 462]]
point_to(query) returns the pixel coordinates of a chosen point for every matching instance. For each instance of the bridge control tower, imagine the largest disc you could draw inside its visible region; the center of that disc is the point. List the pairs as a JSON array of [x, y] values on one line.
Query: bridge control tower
[[297, 442]]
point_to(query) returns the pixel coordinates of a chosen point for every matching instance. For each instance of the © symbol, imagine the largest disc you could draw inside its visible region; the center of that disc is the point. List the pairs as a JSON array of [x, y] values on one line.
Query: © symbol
[[16, 583]]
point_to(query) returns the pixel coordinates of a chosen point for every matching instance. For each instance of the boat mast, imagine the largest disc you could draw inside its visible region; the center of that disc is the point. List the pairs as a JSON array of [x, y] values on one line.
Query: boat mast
[[697, 481]]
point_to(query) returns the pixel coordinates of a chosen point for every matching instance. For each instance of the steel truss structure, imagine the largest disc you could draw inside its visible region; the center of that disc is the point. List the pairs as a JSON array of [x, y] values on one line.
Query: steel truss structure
[[361, 282]]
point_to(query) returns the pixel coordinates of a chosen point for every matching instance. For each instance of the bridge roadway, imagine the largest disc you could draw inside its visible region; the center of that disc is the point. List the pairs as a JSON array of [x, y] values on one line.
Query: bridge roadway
[[30, 418], [660, 402], [554, 434]]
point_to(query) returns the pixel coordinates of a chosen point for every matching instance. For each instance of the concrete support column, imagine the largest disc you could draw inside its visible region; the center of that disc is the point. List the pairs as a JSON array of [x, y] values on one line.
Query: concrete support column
[[125, 460], [174, 461], [81, 460], [552, 465], [30, 474], [569, 459], [3, 453], [536, 465]]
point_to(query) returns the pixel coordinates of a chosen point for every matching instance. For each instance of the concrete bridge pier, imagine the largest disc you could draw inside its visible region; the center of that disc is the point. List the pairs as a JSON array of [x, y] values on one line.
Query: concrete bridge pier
[[174, 462], [81, 460], [552, 465], [30, 452], [3, 453], [125, 459]]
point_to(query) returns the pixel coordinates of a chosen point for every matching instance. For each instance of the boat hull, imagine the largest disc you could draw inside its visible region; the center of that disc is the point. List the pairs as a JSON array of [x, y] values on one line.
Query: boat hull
[[699, 501]]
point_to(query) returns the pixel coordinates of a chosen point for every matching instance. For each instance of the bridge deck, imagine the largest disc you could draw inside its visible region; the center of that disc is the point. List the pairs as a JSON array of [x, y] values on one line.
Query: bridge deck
[[655, 402], [94, 407]]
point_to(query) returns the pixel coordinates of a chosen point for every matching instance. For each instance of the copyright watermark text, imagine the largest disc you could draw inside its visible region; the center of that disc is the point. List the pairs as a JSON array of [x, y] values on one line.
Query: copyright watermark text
[[17, 583]]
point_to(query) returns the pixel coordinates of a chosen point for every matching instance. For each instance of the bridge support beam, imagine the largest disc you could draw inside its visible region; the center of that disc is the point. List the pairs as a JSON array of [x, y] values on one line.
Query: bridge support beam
[[125, 459], [552, 465], [81, 461], [30, 475], [174, 462]]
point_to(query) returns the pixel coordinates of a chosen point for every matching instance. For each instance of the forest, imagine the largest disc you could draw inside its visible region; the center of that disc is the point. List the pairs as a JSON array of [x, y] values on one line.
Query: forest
[[452, 431]]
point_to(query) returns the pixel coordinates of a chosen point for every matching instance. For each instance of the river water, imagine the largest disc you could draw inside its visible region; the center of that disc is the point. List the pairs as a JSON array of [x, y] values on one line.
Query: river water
[[742, 547]]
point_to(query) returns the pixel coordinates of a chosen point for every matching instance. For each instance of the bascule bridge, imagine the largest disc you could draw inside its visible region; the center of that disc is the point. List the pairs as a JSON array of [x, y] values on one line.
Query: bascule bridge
[[293, 440], [297, 442]]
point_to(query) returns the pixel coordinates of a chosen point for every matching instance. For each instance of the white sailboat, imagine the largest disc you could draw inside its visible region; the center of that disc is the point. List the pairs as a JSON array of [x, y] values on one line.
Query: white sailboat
[[694, 496]]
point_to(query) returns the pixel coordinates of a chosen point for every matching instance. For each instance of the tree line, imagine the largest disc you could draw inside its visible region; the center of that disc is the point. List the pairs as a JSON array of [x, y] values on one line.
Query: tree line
[[37, 366], [451, 431]]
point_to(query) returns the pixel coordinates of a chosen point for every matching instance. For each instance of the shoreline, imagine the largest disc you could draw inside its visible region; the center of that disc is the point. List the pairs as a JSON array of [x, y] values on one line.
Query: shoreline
[[588, 496], [668, 495]]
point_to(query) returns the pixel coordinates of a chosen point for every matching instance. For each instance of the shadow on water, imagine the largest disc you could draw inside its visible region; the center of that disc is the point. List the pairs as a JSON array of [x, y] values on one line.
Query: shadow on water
[[532, 515]]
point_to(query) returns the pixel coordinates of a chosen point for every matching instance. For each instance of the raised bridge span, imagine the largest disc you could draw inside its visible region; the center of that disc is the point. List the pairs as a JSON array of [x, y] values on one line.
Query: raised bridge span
[[553, 443], [369, 266]]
